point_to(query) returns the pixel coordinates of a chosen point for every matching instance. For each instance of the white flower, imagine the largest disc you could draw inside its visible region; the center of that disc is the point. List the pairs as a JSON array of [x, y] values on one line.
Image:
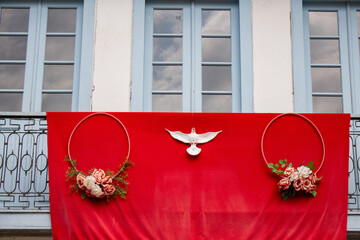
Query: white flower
[[295, 176], [96, 191], [89, 182], [304, 171]]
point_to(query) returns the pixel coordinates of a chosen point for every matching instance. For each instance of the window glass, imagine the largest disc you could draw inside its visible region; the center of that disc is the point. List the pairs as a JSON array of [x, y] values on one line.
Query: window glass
[[61, 20], [166, 103], [215, 21], [14, 19], [168, 21]]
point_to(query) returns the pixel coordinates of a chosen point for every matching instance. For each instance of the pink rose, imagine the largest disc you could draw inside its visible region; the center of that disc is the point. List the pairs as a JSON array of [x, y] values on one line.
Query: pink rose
[[98, 174], [284, 183], [306, 184], [109, 189], [311, 189], [80, 181], [288, 171], [107, 180], [313, 178], [298, 184]]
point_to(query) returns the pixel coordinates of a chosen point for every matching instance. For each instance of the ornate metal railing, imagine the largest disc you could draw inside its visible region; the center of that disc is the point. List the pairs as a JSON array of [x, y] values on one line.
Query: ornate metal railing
[[354, 166], [24, 181]]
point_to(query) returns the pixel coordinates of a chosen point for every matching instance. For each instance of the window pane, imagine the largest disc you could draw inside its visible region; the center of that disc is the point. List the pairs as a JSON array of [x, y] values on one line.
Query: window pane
[[60, 48], [215, 21], [13, 47], [61, 20], [167, 78], [323, 23], [58, 76], [167, 21], [14, 19], [327, 104], [216, 50], [10, 102], [324, 51], [166, 103], [326, 80], [216, 78], [56, 102], [216, 103], [12, 76], [167, 49]]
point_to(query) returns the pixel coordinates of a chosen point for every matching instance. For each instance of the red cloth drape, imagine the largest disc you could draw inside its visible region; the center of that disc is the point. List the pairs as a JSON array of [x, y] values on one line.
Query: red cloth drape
[[226, 192]]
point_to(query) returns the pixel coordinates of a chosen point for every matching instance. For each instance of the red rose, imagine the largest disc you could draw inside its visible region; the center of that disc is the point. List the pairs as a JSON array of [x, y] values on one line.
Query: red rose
[[108, 189], [98, 174], [284, 183], [80, 181]]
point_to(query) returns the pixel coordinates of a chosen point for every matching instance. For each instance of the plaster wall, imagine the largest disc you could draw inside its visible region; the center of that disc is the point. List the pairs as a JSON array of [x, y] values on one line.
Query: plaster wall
[[112, 55], [272, 66]]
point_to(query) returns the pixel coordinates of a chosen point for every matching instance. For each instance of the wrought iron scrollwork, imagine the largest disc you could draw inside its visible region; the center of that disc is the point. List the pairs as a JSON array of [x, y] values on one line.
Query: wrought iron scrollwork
[[24, 182], [354, 166]]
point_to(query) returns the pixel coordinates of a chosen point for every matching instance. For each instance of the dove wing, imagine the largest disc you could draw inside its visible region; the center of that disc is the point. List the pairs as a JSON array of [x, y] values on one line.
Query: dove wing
[[206, 137], [179, 136]]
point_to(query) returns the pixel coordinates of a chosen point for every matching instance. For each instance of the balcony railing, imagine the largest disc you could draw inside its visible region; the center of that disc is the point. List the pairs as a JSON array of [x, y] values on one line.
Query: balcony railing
[[24, 181], [354, 166]]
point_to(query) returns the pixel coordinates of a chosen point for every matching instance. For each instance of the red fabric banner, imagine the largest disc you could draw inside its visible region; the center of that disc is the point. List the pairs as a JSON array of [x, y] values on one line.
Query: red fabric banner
[[226, 192]]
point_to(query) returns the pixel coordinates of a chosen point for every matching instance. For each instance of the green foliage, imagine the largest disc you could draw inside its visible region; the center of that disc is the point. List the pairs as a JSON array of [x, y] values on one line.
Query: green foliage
[[287, 193], [311, 165], [109, 173], [278, 168]]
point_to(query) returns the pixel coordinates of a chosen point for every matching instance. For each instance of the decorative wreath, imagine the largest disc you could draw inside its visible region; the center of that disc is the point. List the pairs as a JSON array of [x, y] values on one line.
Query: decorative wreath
[[302, 178], [98, 183]]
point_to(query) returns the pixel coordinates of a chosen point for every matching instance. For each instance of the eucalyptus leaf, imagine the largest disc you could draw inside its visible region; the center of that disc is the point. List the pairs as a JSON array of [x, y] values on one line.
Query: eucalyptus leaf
[[277, 166]]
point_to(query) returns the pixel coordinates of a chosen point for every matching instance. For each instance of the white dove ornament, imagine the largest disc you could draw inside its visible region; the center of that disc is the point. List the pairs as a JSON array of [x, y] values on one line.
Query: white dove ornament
[[193, 138]]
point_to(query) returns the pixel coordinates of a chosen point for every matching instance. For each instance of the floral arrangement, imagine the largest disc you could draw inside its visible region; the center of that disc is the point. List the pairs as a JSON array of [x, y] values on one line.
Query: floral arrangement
[[294, 180], [97, 183]]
